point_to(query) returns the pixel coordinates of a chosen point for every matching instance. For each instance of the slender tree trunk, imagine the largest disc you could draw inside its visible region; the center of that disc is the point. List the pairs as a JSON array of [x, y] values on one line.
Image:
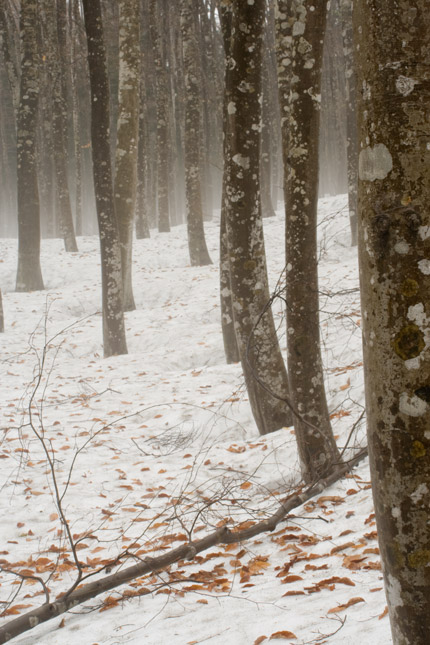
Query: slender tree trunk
[[394, 208], [29, 274], [1, 314], [127, 138], [262, 362], [199, 254], [231, 348], [60, 125], [157, 10], [75, 24], [351, 116], [300, 41], [114, 340]]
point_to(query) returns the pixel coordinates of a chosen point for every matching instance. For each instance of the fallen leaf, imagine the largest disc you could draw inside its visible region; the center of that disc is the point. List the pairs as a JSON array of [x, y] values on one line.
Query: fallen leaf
[[352, 601], [283, 634]]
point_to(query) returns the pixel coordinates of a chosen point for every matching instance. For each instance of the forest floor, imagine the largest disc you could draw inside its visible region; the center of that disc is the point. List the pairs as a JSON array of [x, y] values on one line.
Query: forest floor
[[151, 448]]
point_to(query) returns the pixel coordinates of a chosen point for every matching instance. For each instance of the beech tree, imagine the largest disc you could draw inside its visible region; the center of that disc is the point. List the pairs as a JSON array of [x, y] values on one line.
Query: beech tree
[[114, 341], [300, 36], [29, 274], [262, 362], [127, 138], [392, 60], [199, 254]]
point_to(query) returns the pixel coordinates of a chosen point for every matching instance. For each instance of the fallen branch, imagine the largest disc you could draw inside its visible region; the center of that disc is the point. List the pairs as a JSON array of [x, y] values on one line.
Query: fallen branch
[[223, 535]]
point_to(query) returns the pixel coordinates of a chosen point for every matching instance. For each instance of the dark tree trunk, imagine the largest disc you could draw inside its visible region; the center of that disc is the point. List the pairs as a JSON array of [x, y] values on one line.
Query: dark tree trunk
[[300, 42], [29, 274], [260, 354], [114, 340]]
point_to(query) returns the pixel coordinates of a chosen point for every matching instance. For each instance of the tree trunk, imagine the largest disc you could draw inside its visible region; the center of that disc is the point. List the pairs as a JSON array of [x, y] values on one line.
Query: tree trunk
[[262, 362], [157, 10], [114, 341], [300, 41], [351, 116], [394, 209], [127, 138], [199, 255], [59, 61], [29, 274]]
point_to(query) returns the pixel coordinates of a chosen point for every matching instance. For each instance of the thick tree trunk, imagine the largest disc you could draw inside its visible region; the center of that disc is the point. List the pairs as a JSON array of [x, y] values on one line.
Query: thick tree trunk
[[262, 362], [29, 274], [394, 240], [114, 341], [199, 255], [300, 39], [127, 138]]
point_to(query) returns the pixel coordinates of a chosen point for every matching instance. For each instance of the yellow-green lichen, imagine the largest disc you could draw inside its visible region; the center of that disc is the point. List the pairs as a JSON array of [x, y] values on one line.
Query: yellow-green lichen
[[419, 558], [409, 342], [418, 450], [249, 265], [409, 288]]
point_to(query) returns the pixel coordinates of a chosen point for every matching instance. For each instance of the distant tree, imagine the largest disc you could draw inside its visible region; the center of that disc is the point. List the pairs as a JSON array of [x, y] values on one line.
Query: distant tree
[[114, 341], [127, 138], [351, 115], [157, 16], [199, 254], [301, 25], [29, 274], [260, 354], [392, 62], [1, 314]]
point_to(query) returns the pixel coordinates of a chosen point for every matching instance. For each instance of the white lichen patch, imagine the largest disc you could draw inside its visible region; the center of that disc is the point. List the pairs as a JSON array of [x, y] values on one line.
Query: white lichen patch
[[405, 85], [395, 512], [419, 493], [402, 247], [374, 162], [424, 266], [424, 232], [412, 406], [231, 108], [241, 161]]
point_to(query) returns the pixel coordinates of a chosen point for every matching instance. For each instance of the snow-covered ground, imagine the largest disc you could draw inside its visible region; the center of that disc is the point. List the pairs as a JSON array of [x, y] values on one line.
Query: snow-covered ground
[[159, 445]]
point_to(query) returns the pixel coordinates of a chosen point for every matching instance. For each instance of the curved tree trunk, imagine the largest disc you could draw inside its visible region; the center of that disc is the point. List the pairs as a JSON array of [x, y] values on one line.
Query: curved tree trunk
[[300, 39], [127, 138], [262, 362], [114, 341], [199, 254], [29, 274], [394, 207]]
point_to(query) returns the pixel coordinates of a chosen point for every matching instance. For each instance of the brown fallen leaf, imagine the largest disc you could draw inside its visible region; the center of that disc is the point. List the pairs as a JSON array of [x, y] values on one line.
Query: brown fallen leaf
[[282, 634], [260, 639], [384, 613], [352, 601]]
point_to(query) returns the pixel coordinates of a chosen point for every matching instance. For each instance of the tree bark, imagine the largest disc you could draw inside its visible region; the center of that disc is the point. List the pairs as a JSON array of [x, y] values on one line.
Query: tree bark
[[114, 341], [300, 46], [29, 274], [392, 65], [127, 138], [199, 255], [260, 354]]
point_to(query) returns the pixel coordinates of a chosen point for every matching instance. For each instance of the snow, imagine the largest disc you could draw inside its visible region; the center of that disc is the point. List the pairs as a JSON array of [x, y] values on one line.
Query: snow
[[157, 434]]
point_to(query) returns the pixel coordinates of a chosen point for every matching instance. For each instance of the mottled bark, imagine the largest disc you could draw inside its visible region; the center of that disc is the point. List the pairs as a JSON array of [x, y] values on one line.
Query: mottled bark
[[1, 314], [300, 26], [231, 348], [127, 138], [199, 255], [262, 362], [351, 116], [157, 12], [114, 341], [142, 220], [75, 25], [393, 63], [29, 274]]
